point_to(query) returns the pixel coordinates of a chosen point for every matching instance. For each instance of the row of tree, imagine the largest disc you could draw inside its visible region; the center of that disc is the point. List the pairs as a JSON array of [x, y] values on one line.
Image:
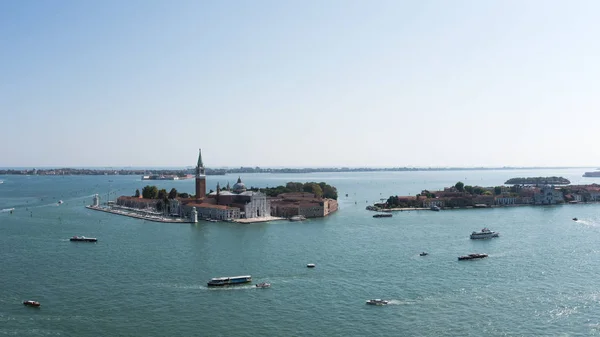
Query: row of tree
[[152, 192], [319, 189], [477, 190]]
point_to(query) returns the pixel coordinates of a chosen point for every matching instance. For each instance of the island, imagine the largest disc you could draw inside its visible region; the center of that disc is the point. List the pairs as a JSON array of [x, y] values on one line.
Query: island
[[538, 181], [235, 203], [466, 196], [593, 174]]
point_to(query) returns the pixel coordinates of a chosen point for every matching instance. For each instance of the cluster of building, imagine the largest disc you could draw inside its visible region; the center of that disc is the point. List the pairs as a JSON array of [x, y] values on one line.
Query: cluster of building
[[231, 203], [506, 195]]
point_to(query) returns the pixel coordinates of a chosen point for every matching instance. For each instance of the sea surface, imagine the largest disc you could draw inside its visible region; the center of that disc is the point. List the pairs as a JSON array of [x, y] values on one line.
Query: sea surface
[[149, 279]]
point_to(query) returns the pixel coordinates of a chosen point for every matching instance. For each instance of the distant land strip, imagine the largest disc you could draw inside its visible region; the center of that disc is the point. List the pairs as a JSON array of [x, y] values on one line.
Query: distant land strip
[[223, 171]]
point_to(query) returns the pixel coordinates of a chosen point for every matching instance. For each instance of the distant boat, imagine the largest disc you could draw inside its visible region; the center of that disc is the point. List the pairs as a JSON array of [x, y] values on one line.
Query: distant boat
[[82, 239], [229, 281], [310, 265], [60, 202], [435, 208], [263, 285], [472, 256], [484, 234], [30, 303], [383, 215], [297, 218], [424, 254], [377, 302], [575, 219]]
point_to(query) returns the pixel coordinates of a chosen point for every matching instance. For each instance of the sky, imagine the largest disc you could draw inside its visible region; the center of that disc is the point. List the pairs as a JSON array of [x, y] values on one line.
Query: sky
[[312, 83]]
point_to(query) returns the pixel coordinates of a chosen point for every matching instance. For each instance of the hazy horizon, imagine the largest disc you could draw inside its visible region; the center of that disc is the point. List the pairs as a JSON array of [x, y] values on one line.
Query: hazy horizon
[[336, 83]]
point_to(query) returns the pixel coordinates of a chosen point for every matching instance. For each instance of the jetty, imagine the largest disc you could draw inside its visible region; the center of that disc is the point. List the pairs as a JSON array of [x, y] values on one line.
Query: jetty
[[139, 215]]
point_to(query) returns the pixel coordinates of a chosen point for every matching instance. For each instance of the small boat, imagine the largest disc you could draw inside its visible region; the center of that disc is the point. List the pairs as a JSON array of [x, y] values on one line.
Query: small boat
[[424, 254], [83, 239], [472, 256], [484, 234], [435, 208], [383, 215], [263, 285], [575, 219], [60, 202], [297, 218], [377, 302], [310, 265], [31, 303], [229, 281]]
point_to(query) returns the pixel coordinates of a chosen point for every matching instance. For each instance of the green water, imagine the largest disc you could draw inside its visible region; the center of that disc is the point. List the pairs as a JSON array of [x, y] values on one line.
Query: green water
[[149, 279]]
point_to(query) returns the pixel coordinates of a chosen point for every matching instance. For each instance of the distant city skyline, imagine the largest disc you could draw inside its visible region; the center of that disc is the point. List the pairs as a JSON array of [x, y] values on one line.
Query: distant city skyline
[[336, 83]]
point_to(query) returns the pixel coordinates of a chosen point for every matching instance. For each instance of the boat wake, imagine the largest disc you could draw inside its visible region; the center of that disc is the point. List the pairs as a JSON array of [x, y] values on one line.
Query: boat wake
[[204, 287], [401, 302], [6, 210]]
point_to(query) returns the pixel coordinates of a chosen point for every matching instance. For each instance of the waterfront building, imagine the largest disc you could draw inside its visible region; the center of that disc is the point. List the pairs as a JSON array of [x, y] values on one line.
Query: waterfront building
[[251, 204], [306, 204], [548, 195]]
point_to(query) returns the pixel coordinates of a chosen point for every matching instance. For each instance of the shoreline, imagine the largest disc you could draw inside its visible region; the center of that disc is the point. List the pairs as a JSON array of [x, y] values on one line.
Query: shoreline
[[389, 210]]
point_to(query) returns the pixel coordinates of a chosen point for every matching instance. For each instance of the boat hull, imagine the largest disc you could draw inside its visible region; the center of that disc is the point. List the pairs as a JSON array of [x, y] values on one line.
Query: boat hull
[[83, 240], [232, 281], [472, 257], [484, 236]]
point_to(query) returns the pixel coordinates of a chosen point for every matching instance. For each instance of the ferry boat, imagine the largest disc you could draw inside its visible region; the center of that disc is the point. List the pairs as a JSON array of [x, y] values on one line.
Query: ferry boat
[[263, 285], [31, 303], [377, 302], [383, 215], [83, 239], [484, 234], [229, 281], [472, 256]]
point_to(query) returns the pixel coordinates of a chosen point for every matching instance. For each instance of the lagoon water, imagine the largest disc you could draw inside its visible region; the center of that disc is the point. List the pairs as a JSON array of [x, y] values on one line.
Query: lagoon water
[[149, 279]]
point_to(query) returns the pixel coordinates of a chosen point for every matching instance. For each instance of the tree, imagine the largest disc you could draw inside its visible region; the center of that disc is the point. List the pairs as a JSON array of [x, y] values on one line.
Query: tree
[[497, 190], [162, 194], [184, 195], [460, 186], [478, 190], [173, 193], [150, 192], [469, 189], [137, 193]]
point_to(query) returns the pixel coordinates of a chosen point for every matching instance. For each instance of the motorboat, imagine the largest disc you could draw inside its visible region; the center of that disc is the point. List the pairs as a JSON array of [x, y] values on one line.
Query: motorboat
[[424, 254], [229, 281], [435, 208], [377, 302], [298, 218], [60, 202], [83, 239], [310, 265], [484, 234], [263, 285], [30, 303], [575, 219], [472, 256], [383, 215]]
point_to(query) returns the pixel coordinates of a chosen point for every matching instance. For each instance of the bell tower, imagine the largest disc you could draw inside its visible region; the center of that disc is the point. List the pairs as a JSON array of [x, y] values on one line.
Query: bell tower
[[200, 178]]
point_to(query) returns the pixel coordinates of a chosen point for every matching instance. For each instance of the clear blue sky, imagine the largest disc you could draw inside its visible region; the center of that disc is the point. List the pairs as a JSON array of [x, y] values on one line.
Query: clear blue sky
[[299, 83]]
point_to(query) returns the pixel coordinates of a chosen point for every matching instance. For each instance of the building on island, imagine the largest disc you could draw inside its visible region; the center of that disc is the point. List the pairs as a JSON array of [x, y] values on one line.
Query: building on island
[[302, 203]]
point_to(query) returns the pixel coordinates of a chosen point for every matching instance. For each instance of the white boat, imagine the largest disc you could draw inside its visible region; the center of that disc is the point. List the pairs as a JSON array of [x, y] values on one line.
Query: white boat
[[377, 302], [298, 218], [310, 265], [60, 202], [484, 234], [263, 285]]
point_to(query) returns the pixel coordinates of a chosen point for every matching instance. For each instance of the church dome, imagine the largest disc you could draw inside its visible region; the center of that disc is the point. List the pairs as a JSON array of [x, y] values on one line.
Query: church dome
[[239, 187]]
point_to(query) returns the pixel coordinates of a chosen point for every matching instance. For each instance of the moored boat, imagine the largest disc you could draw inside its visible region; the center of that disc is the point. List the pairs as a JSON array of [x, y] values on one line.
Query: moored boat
[[298, 218], [377, 302], [263, 285], [435, 208], [484, 234], [83, 239], [30, 303], [229, 281], [383, 215], [472, 256]]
